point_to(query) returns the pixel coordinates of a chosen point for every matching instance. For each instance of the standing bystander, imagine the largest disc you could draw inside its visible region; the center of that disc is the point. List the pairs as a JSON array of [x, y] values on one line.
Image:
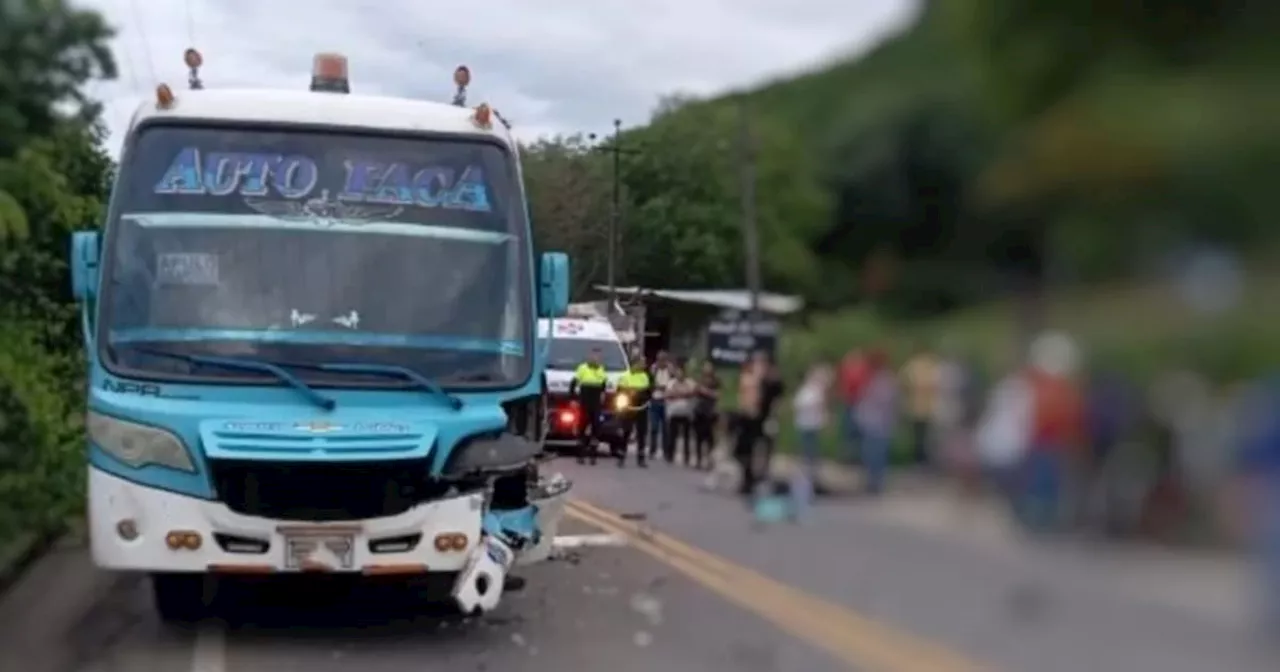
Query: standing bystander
[[750, 417], [1255, 505], [877, 416], [811, 415], [681, 393], [706, 415], [921, 378], [1057, 430], [659, 376], [852, 379]]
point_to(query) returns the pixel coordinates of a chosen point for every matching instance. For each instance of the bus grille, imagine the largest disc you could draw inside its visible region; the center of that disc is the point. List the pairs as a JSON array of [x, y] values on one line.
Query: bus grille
[[306, 491]]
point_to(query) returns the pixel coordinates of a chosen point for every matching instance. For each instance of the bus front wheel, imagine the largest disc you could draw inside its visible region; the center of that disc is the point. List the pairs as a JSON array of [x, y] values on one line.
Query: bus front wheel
[[181, 598]]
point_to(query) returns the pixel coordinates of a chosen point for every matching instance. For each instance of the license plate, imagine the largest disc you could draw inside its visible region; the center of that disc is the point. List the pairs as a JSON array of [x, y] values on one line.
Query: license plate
[[330, 552]]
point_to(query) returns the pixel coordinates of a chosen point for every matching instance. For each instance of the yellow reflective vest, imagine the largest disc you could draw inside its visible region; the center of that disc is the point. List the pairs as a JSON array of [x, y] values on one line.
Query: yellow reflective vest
[[633, 390], [587, 375], [634, 380]]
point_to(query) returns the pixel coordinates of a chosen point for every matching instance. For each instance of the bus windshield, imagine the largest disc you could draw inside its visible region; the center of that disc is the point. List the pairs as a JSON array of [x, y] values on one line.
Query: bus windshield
[[317, 247]]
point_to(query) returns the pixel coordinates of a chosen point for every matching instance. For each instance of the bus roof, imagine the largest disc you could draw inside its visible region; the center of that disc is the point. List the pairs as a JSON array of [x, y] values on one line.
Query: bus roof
[[319, 109]]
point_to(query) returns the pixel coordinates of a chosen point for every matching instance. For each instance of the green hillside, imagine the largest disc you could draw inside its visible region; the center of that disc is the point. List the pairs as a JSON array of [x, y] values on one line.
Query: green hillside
[[988, 146]]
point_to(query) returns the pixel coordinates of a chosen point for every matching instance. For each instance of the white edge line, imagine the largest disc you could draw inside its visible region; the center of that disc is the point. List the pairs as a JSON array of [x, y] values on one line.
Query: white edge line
[[588, 541]]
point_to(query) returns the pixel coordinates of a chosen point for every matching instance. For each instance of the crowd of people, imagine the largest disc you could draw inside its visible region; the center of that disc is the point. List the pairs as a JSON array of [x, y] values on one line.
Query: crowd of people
[[669, 411], [677, 414], [1062, 445], [1041, 435], [1065, 446]]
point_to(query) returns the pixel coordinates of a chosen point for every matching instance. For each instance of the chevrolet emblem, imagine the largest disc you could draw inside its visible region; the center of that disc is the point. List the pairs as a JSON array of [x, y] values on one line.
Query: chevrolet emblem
[[316, 427]]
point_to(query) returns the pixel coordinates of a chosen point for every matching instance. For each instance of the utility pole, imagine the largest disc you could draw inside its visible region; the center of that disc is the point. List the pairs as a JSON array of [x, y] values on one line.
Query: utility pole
[[750, 233], [615, 214]]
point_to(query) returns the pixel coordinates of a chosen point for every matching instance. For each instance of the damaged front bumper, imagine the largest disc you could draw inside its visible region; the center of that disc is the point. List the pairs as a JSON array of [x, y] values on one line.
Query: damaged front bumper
[[511, 537]]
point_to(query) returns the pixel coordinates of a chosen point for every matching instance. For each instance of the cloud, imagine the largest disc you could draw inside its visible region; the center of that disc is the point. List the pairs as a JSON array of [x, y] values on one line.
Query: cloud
[[551, 66]]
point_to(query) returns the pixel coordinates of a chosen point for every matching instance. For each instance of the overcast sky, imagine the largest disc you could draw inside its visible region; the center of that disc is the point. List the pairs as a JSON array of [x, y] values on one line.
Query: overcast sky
[[549, 65]]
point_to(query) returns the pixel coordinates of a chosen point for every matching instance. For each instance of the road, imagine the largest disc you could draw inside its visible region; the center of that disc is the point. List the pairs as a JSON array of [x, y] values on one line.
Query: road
[[697, 587]]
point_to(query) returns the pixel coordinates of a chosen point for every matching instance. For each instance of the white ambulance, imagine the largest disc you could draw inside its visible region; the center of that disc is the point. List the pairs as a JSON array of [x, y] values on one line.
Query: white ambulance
[[571, 341]]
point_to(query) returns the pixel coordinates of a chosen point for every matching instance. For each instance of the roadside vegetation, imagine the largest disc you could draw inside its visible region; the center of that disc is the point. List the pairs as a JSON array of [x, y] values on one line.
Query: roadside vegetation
[[54, 175]]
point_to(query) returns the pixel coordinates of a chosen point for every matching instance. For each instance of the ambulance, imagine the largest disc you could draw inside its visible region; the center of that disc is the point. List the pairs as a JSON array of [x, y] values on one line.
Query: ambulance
[[568, 341]]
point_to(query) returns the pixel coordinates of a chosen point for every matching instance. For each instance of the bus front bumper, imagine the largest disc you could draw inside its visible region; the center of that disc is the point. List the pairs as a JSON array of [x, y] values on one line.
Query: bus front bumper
[[138, 528]]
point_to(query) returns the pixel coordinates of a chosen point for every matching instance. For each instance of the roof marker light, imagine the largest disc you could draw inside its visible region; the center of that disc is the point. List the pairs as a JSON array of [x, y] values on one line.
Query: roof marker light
[[329, 73], [461, 78], [483, 116], [194, 60], [164, 97]]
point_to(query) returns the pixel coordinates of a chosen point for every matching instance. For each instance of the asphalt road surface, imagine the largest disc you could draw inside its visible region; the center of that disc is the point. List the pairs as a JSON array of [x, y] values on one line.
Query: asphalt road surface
[[695, 587]]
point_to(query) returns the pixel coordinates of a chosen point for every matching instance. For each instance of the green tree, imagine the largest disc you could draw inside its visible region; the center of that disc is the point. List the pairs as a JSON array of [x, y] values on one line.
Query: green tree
[[59, 182], [568, 204], [53, 180], [49, 51], [989, 147], [684, 224]]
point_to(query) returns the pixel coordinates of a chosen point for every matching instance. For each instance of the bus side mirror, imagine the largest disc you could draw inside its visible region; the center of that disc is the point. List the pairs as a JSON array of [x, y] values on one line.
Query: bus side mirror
[[84, 264], [553, 285]]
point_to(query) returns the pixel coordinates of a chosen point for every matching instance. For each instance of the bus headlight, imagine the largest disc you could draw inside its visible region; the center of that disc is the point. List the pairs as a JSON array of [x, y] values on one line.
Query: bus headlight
[[138, 445], [621, 402], [490, 454]]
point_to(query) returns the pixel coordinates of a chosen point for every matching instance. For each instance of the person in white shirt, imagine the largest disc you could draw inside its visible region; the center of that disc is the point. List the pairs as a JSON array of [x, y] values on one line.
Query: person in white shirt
[[681, 398], [810, 413], [660, 376]]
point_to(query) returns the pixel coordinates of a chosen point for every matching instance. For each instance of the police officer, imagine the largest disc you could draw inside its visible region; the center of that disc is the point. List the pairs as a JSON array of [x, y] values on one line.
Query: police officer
[[635, 384], [588, 384]]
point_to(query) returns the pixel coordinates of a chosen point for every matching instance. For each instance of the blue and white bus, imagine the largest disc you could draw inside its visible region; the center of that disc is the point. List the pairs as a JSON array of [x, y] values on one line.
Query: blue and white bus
[[310, 327]]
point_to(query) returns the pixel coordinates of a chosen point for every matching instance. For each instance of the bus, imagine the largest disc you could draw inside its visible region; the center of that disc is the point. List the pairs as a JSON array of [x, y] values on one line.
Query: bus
[[310, 324]]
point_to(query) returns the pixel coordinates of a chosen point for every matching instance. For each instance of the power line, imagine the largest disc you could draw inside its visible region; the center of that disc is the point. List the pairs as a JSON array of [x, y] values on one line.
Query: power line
[[142, 33], [191, 23], [133, 67]]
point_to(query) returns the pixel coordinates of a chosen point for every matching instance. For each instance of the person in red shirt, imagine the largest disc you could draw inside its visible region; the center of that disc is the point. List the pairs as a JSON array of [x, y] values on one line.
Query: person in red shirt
[[1058, 430], [851, 380]]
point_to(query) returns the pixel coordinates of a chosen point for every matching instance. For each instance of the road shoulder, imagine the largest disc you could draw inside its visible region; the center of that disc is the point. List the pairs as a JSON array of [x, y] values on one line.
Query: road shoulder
[[44, 624]]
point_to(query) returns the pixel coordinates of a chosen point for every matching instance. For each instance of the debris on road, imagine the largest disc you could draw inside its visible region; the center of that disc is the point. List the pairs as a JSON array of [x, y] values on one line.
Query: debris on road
[[648, 606]]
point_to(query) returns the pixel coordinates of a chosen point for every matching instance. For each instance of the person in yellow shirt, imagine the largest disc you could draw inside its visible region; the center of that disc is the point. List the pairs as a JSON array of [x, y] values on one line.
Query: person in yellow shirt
[[921, 379], [588, 385], [635, 387]]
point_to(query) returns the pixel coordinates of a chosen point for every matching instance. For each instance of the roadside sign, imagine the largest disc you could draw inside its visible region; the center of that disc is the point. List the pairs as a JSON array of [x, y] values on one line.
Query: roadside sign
[[732, 336]]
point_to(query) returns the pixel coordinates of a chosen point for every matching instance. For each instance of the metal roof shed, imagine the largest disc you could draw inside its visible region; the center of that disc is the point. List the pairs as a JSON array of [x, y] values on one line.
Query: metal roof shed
[[731, 299], [676, 319]]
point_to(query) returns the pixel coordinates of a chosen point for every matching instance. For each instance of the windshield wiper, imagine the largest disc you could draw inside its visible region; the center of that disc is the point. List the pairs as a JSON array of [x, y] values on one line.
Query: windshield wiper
[[248, 365], [403, 372]]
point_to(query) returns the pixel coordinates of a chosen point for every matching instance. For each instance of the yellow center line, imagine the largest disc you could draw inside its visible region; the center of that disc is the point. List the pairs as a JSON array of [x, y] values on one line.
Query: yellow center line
[[859, 641]]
